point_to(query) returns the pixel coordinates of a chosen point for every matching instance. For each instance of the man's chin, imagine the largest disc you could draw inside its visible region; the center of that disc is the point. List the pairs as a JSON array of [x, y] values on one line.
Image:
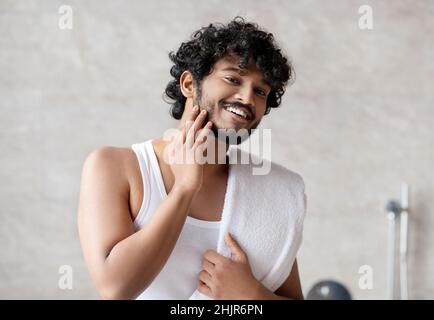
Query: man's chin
[[231, 135]]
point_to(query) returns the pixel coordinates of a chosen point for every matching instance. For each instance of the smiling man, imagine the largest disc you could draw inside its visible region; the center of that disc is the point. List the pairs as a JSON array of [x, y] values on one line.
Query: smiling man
[[149, 227]]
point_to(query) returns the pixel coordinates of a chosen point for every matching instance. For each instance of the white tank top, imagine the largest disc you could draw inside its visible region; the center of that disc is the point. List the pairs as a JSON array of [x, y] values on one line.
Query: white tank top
[[179, 277]]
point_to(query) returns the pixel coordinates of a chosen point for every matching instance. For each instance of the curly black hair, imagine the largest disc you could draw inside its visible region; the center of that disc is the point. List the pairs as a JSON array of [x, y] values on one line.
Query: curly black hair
[[245, 40]]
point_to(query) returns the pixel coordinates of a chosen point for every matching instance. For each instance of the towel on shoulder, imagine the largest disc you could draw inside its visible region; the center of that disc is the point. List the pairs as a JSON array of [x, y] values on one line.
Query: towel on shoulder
[[265, 214]]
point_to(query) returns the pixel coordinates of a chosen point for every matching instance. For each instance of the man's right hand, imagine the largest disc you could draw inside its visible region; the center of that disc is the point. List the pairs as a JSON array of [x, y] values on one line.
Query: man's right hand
[[185, 149]]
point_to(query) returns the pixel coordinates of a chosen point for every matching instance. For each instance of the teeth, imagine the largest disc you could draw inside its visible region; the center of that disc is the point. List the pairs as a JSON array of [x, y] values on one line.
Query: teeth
[[237, 111]]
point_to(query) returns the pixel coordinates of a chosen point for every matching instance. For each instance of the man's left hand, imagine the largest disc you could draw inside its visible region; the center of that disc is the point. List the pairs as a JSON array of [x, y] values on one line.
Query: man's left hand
[[228, 278]]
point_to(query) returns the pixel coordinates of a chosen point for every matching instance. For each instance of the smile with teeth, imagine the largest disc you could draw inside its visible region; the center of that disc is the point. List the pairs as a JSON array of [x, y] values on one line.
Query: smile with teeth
[[237, 111]]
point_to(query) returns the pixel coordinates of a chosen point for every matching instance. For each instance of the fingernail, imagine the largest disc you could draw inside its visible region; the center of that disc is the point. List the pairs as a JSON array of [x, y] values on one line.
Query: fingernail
[[195, 108]]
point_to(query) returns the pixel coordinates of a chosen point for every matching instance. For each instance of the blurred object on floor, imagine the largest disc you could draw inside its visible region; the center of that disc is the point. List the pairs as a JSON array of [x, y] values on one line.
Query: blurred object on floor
[[328, 290]]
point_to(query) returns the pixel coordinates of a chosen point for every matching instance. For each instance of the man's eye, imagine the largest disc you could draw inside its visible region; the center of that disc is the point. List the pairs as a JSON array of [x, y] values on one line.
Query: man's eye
[[232, 80], [260, 92]]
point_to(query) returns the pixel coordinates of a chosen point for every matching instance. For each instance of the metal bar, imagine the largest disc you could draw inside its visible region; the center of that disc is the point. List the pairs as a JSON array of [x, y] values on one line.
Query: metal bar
[[391, 255], [403, 238]]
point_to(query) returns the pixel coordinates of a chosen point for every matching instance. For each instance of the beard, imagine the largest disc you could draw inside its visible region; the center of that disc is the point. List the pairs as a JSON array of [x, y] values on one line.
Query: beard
[[230, 136]]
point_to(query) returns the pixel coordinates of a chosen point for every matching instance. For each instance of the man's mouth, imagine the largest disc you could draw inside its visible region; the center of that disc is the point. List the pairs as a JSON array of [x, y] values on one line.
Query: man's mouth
[[241, 114]]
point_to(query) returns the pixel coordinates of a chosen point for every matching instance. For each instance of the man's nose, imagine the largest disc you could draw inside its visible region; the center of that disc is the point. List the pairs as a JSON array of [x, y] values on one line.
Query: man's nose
[[245, 95]]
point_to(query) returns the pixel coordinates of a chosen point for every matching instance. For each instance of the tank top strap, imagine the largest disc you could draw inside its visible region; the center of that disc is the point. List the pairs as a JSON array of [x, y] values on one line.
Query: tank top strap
[[141, 152]]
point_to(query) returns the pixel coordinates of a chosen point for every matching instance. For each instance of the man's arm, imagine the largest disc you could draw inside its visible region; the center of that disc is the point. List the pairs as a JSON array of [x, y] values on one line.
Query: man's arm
[[122, 262]]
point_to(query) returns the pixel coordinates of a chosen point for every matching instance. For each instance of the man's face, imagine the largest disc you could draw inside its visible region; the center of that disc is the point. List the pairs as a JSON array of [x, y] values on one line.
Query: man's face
[[229, 90]]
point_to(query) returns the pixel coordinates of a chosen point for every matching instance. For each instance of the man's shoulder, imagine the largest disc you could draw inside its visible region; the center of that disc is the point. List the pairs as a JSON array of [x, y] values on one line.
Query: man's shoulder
[[271, 169], [109, 155], [281, 170], [116, 162]]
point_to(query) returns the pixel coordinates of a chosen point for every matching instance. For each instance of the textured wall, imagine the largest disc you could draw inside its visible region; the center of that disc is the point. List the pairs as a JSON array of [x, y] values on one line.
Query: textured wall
[[357, 122]]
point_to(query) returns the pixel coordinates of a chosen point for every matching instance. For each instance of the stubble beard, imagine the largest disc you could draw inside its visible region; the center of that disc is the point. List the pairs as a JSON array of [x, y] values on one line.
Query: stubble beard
[[225, 135]]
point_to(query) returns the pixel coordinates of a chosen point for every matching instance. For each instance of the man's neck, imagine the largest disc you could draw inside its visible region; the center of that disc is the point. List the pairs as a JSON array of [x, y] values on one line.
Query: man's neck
[[221, 161]]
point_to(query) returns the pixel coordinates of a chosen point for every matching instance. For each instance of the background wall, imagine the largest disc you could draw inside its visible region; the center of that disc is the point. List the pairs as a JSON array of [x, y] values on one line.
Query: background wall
[[356, 123]]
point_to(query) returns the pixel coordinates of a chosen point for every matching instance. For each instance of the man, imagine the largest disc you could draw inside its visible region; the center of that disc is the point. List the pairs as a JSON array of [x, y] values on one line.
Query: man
[[148, 226]]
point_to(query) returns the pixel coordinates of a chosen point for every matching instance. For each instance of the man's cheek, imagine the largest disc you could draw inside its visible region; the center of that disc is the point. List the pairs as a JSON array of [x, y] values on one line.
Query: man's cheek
[[207, 118]]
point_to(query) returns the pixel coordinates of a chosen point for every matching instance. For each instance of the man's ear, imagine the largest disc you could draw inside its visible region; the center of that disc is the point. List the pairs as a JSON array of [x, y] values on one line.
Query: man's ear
[[186, 82]]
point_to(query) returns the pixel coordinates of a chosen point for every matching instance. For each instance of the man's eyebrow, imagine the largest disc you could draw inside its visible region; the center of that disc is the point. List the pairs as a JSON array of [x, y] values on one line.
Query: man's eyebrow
[[232, 69], [238, 70]]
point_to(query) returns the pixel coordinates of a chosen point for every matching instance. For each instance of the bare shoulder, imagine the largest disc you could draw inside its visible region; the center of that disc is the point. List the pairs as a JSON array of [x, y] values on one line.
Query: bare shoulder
[[116, 170], [116, 158], [113, 164]]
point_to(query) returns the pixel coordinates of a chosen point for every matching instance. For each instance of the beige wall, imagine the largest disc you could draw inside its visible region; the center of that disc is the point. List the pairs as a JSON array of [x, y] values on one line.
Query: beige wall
[[357, 122]]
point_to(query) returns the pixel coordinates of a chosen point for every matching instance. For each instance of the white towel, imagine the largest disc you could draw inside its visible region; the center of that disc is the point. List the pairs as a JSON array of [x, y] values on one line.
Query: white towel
[[265, 215]]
